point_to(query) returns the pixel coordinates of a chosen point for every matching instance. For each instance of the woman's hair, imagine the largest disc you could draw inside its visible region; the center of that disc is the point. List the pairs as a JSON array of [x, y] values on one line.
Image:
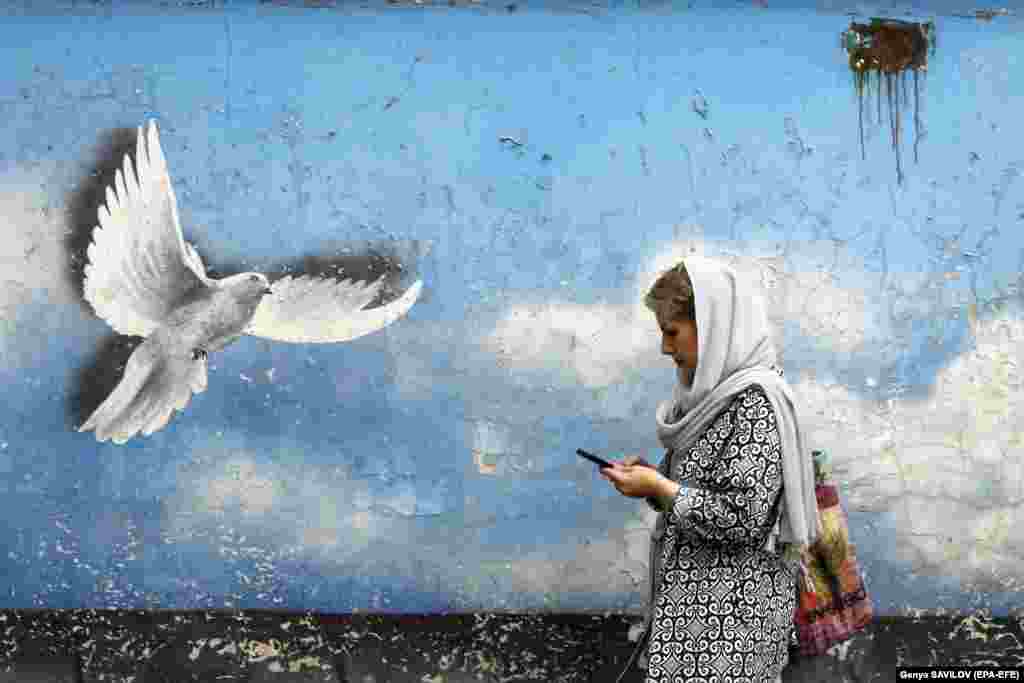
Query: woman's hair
[[671, 296]]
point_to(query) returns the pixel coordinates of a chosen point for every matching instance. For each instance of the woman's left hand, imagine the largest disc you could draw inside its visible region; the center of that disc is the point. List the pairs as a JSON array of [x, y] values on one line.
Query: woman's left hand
[[635, 481]]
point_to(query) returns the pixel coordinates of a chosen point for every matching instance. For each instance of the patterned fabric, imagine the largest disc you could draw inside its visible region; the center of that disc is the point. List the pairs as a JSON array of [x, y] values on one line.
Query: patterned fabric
[[833, 599], [724, 606]]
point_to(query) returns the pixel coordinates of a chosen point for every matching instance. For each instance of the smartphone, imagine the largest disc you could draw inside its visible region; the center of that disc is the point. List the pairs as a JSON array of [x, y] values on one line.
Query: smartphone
[[593, 458]]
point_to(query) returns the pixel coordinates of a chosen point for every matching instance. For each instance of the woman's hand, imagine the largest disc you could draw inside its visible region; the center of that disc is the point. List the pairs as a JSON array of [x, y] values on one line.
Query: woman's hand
[[637, 460], [636, 479]]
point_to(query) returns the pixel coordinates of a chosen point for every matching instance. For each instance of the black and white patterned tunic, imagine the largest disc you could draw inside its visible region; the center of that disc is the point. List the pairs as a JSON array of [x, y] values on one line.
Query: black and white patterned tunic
[[723, 610]]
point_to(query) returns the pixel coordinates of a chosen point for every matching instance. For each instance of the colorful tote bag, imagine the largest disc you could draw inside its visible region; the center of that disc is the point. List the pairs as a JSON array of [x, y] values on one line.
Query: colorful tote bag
[[833, 603]]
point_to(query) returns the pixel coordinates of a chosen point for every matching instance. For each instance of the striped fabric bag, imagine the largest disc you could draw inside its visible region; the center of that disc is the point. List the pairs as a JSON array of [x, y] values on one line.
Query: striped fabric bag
[[833, 600]]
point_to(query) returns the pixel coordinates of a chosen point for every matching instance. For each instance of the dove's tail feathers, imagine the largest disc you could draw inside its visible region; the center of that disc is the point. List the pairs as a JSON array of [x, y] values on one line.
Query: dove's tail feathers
[[154, 385], [137, 371]]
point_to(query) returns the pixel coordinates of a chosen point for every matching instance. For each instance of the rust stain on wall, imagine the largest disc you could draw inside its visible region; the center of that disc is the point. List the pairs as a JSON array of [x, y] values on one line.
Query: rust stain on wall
[[890, 49]]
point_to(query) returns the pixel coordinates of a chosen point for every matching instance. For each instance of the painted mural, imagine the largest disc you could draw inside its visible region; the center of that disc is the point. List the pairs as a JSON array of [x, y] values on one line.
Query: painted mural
[[536, 188], [145, 280]]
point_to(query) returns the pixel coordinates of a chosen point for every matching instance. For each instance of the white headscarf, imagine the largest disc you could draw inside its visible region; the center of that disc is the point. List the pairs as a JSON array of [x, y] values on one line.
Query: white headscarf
[[734, 350]]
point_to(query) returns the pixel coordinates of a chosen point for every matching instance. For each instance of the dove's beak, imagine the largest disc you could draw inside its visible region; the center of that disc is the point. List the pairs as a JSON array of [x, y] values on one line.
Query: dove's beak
[[268, 290]]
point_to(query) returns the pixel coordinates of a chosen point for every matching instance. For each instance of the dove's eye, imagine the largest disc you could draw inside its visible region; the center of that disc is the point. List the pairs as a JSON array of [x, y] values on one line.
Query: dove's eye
[[254, 278]]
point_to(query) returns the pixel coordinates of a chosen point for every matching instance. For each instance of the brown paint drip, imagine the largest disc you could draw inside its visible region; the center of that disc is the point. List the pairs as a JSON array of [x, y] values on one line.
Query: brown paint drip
[[890, 48]]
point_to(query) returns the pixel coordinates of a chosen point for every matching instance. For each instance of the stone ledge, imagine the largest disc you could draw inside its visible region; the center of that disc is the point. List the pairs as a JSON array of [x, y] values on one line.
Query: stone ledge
[[90, 645]]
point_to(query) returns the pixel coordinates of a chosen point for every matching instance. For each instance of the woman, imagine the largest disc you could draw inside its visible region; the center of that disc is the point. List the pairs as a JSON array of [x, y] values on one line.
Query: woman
[[735, 488]]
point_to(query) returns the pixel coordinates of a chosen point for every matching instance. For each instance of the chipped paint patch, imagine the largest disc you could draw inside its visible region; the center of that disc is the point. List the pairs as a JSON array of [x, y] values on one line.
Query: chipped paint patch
[[257, 650], [976, 627]]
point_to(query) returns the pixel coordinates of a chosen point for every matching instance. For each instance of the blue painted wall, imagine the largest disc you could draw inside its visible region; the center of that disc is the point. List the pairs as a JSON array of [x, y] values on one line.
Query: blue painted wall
[[536, 167]]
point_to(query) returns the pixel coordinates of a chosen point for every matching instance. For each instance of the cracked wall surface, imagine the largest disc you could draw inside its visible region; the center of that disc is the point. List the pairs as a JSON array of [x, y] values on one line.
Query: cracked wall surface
[[536, 168]]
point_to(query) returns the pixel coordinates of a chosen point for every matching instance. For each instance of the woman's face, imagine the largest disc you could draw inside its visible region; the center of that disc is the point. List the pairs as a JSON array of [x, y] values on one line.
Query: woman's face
[[679, 340]]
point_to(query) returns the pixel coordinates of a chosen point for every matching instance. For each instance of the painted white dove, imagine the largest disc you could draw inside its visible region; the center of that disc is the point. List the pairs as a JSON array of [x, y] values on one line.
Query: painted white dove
[[145, 280]]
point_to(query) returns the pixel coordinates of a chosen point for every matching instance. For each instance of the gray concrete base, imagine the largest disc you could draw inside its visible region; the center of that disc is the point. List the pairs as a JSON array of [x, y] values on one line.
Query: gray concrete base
[[144, 647]]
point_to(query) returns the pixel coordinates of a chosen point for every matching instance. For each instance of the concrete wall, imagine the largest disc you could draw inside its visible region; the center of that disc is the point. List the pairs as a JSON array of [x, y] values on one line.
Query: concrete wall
[[535, 166]]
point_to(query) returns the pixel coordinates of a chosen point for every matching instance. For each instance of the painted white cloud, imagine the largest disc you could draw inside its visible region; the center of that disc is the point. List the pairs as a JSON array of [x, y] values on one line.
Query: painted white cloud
[[593, 345], [32, 261], [596, 342], [337, 514], [597, 345], [946, 471]]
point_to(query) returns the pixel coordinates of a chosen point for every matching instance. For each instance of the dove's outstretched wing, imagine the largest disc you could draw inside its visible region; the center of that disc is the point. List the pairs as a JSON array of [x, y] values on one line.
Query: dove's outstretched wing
[[139, 265], [323, 310], [156, 382]]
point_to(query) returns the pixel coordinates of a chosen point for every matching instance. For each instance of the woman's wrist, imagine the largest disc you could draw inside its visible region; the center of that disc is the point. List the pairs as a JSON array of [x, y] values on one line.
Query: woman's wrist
[[667, 487], [666, 493]]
